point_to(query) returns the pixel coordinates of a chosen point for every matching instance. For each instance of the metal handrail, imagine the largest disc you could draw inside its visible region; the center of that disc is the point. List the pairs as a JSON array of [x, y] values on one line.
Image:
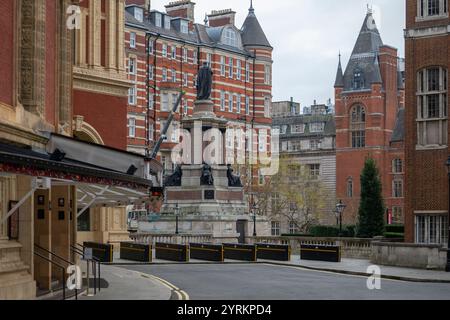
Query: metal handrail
[[63, 272], [95, 261], [62, 259]]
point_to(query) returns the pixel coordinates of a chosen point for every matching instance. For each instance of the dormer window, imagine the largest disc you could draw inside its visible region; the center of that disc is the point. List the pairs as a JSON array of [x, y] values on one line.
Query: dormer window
[[167, 22], [184, 26], [431, 9], [358, 79], [139, 14], [158, 20], [230, 37]]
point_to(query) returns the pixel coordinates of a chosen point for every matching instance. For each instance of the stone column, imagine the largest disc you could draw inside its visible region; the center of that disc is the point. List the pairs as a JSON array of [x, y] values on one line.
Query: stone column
[[120, 35], [112, 39], [95, 32]]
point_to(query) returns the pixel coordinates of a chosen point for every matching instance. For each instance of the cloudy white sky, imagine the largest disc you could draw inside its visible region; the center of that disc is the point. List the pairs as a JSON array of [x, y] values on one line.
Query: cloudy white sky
[[307, 36]]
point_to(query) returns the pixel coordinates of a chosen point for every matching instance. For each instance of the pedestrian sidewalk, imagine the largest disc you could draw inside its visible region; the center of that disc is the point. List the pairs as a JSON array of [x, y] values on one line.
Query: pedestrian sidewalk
[[124, 284], [360, 267]]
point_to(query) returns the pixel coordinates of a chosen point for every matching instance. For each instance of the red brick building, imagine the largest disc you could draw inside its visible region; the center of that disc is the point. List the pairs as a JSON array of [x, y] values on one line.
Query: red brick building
[[426, 120], [100, 84], [164, 52], [369, 121]]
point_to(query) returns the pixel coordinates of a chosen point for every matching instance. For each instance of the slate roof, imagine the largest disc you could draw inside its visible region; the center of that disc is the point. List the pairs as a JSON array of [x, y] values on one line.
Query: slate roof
[[365, 56], [329, 130], [251, 32], [399, 131], [339, 83]]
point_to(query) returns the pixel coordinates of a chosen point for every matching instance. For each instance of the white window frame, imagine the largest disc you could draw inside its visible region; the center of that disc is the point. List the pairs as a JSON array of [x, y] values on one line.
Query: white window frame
[[165, 102], [424, 14], [132, 97], [132, 127], [424, 118], [222, 66], [151, 72], [275, 228], [267, 74], [173, 53], [184, 26], [151, 132], [425, 233], [247, 72], [230, 67], [164, 74], [167, 21], [239, 104], [158, 20], [222, 100], [132, 66], [164, 50], [397, 193], [133, 40], [238, 69], [267, 107], [316, 127], [173, 74], [185, 55], [185, 79], [230, 102], [295, 128], [247, 105]]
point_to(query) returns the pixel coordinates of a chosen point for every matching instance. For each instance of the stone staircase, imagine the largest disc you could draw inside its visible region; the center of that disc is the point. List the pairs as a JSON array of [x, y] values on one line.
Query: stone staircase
[[16, 281]]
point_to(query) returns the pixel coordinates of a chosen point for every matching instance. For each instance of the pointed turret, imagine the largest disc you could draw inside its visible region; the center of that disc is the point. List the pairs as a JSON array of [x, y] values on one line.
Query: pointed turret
[[376, 76], [252, 32], [363, 68], [339, 83]]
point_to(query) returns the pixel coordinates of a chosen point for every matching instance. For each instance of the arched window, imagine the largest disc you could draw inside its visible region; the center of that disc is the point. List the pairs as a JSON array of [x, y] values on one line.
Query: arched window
[[432, 106], [350, 188], [358, 79], [358, 126]]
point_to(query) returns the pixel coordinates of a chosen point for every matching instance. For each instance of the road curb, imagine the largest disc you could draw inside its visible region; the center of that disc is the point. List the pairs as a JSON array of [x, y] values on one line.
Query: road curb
[[356, 273]]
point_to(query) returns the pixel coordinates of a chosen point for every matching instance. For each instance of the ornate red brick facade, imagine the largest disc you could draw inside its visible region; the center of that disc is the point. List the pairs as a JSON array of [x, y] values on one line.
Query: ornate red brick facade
[[369, 122]]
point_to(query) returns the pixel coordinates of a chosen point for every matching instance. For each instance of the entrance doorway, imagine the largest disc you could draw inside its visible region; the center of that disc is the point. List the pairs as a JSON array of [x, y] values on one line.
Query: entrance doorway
[[240, 228]]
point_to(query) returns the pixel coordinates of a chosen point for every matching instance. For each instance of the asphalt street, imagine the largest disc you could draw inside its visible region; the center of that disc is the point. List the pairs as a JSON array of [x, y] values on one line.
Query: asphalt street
[[267, 282]]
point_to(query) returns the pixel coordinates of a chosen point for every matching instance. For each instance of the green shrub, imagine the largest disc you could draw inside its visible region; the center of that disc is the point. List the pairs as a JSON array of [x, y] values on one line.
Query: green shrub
[[296, 235], [395, 228], [333, 231], [394, 235]]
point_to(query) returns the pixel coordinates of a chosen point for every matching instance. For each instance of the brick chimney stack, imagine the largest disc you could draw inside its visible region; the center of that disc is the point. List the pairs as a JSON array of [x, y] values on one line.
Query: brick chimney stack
[[142, 3], [181, 9], [219, 18]]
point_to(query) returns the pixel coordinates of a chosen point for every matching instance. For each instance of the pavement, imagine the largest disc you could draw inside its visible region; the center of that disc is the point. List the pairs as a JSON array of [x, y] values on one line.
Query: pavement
[[123, 284]]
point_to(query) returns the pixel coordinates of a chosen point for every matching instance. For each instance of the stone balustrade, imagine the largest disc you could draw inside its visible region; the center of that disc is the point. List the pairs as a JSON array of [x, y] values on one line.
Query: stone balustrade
[[152, 238], [351, 247]]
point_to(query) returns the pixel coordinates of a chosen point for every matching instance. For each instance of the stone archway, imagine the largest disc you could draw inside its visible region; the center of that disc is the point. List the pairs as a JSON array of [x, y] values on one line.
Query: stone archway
[[85, 132]]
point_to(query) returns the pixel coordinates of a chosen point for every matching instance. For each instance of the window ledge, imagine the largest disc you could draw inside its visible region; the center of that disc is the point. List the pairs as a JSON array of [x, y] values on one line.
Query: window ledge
[[431, 18], [430, 147]]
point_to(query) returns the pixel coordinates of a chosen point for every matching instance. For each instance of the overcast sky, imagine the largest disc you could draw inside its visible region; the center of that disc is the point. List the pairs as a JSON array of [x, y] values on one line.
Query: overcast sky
[[307, 36]]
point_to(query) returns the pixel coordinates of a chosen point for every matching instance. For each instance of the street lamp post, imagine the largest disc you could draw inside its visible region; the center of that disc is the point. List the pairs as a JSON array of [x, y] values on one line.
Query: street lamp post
[[177, 214], [340, 207], [254, 218], [447, 267]]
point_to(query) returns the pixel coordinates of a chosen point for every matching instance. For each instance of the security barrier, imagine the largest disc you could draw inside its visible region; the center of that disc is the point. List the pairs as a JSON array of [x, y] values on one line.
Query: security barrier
[[172, 252], [273, 252], [320, 253], [136, 252], [243, 252], [208, 252], [100, 251]]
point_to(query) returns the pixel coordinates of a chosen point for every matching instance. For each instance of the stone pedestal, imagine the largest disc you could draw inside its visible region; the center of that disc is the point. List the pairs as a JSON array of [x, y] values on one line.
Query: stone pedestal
[[213, 209]]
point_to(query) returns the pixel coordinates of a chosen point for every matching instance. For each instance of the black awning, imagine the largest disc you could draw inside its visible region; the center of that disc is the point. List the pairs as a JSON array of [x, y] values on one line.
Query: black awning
[[18, 160]]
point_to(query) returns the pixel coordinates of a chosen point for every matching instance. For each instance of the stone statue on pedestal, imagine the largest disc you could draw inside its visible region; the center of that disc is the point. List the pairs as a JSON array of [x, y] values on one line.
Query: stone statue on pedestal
[[204, 82], [233, 180], [174, 180], [207, 177]]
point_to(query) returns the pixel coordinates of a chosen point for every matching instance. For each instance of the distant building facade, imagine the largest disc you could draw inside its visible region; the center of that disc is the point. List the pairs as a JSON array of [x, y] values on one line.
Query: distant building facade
[[426, 121], [308, 139], [164, 51], [369, 107]]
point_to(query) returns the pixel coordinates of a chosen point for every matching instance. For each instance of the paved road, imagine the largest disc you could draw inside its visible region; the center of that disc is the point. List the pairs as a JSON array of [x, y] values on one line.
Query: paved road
[[267, 282]]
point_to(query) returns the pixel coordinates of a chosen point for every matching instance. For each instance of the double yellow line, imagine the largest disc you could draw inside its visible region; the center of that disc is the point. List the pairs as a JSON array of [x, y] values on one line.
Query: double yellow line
[[182, 295]]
